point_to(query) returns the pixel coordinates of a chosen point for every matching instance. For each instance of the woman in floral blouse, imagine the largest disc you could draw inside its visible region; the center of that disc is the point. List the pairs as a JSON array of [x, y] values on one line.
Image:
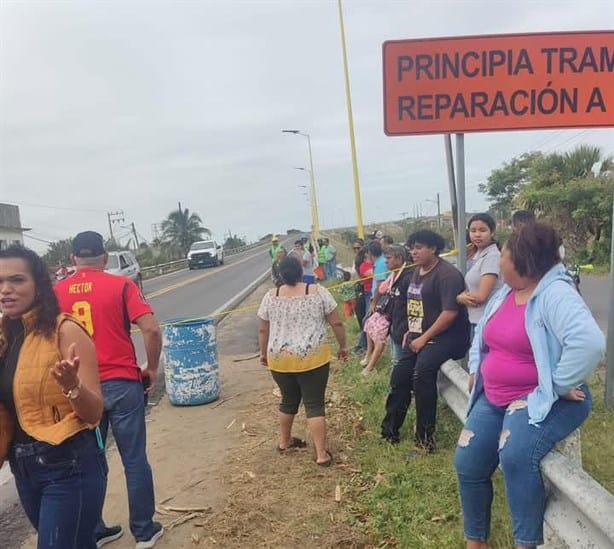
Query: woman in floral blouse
[[293, 323]]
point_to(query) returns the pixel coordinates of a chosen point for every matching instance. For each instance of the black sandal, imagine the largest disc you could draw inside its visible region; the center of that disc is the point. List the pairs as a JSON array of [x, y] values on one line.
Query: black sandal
[[294, 443], [328, 462]]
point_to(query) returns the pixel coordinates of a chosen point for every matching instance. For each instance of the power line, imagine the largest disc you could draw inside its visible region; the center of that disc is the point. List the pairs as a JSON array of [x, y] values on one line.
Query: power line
[[553, 135], [37, 239], [29, 204], [571, 138]]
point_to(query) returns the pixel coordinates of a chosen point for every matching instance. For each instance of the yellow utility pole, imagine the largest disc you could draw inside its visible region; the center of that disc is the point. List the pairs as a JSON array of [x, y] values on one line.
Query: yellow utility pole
[[348, 98]]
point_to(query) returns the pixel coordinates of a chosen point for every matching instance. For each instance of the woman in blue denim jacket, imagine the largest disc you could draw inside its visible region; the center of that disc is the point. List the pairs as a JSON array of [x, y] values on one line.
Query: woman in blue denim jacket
[[533, 351]]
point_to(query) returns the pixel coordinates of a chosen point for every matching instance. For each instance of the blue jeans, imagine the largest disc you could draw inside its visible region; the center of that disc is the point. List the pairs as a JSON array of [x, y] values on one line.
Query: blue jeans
[[61, 489], [362, 340], [499, 434], [396, 352], [124, 411], [331, 269]]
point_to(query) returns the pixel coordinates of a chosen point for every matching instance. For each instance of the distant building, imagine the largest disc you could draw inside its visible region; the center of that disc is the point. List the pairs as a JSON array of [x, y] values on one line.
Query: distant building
[[11, 231]]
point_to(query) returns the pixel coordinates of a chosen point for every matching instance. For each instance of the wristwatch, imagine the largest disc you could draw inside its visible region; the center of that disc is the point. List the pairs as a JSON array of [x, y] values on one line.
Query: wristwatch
[[74, 392]]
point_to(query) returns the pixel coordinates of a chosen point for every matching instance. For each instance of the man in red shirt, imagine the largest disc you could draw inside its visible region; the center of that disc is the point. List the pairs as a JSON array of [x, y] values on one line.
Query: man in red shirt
[[107, 305]]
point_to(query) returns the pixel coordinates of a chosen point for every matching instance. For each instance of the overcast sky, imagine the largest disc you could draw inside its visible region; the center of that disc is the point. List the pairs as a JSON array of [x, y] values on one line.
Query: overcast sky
[[134, 106]]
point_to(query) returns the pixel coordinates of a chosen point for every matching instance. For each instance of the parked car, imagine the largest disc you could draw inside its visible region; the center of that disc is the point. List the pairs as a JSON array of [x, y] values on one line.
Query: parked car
[[124, 263], [205, 252]]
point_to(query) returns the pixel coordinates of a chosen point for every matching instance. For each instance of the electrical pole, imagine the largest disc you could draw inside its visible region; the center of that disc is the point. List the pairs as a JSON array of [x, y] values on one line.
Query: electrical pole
[[438, 214], [114, 217], [156, 230], [136, 238]]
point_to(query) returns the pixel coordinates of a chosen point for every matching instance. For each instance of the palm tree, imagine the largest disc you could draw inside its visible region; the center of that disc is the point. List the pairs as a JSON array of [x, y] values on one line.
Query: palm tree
[[181, 228], [579, 162]]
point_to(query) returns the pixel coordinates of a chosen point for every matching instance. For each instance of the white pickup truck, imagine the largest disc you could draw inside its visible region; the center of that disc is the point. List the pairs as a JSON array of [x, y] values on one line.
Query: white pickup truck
[[205, 252]]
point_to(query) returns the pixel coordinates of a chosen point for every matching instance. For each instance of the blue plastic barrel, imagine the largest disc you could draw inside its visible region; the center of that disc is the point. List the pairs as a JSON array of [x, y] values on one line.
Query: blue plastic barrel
[[191, 371]]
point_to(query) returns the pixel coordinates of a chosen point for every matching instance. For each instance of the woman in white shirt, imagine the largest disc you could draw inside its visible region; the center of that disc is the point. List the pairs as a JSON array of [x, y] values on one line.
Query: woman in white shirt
[[482, 278]]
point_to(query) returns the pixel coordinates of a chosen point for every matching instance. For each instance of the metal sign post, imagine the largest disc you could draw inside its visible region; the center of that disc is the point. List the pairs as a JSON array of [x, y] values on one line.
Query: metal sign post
[[451, 183], [460, 203], [609, 376]]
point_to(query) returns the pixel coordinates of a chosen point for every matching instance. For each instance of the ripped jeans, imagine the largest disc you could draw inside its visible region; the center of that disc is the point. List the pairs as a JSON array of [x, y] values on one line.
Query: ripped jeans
[[499, 434]]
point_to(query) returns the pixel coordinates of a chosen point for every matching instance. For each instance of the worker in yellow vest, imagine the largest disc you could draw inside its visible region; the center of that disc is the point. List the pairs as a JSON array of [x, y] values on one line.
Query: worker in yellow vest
[[275, 248]]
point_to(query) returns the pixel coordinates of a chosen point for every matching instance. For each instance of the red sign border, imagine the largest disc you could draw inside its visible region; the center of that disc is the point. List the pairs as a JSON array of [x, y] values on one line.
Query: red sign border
[[489, 130]]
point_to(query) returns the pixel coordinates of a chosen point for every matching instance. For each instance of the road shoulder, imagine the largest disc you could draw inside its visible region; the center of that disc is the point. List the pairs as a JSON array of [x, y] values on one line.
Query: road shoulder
[[189, 447]]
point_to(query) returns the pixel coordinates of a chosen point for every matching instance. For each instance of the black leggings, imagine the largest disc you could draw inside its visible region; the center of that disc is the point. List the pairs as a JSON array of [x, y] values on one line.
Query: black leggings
[[309, 386]]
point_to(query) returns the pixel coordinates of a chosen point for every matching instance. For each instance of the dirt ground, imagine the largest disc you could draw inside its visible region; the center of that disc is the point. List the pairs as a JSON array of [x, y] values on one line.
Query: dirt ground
[[220, 481]]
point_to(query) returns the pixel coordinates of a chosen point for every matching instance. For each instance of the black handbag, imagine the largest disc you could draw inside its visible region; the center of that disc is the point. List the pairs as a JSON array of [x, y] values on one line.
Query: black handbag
[[359, 289], [384, 305]]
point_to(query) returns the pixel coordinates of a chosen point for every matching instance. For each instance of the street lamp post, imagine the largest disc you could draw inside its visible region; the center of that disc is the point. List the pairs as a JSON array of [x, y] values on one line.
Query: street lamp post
[[309, 199], [305, 193], [314, 200]]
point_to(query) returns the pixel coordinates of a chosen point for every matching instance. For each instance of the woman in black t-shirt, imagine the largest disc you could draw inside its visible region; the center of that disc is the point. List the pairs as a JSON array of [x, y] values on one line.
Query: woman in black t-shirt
[[437, 330]]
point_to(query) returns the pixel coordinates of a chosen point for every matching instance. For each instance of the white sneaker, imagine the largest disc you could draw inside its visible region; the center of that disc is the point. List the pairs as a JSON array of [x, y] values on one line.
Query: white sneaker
[[147, 544], [364, 361], [366, 373]]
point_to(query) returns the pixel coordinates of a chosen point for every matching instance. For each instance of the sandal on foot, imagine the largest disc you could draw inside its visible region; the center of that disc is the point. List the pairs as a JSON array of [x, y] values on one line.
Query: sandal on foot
[[328, 462], [295, 442]]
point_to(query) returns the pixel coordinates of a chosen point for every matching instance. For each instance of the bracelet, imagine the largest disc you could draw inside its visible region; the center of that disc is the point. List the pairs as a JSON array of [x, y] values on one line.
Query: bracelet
[[74, 392]]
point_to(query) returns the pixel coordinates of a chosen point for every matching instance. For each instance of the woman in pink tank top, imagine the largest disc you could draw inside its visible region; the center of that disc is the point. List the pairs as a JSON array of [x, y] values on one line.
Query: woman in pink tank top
[[533, 351]]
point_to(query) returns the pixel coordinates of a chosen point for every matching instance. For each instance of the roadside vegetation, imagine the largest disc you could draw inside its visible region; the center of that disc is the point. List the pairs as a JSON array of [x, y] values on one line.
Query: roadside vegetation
[[406, 502], [572, 191], [415, 503]]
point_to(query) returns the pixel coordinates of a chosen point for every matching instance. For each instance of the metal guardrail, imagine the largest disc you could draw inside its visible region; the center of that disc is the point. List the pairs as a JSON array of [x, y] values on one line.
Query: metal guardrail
[[163, 268], [579, 511]]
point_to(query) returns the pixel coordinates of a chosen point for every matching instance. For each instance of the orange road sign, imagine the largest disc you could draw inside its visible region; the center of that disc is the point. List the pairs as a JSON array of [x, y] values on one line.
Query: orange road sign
[[504, 82]]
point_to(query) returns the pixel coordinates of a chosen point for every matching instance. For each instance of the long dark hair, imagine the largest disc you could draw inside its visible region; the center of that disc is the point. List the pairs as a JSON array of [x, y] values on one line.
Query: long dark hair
[[45, 299], [360, 258]]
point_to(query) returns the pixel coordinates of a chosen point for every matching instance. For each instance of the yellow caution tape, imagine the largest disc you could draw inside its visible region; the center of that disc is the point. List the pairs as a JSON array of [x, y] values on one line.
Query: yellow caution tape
[[247, 308]]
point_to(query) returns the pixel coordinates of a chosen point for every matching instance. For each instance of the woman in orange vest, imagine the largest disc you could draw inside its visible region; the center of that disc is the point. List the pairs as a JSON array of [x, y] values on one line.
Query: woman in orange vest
[[50, 404]]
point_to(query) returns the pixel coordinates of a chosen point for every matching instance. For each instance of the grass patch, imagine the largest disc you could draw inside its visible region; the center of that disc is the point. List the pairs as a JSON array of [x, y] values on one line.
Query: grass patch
[[416, 503], [597, 440], [408, 503]]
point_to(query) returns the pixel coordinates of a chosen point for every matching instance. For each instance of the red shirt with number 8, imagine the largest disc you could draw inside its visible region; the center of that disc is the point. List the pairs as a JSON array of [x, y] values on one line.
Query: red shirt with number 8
[[106, 305]]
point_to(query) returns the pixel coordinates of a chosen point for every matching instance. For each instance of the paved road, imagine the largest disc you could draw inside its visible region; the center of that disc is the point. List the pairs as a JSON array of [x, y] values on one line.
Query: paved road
[[596, 293], [180, 294]]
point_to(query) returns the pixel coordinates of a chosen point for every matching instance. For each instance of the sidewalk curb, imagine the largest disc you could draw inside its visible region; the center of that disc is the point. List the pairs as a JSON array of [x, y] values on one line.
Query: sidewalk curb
[[238, 298]]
